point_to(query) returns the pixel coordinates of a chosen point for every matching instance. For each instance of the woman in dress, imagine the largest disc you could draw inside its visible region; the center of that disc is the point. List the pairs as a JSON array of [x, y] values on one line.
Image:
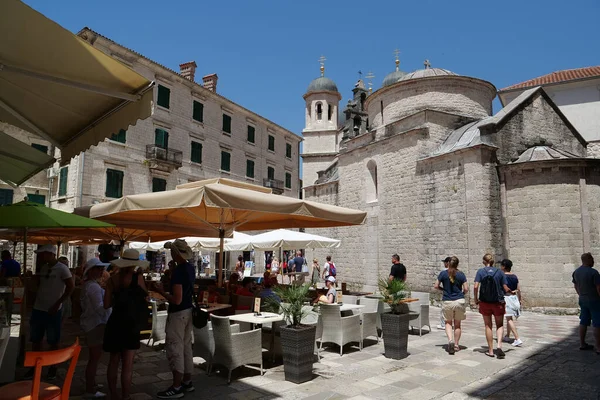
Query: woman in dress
[[513, 302], [239, 266], [93, 322], [316, 273], [453, 302], [122, 334]]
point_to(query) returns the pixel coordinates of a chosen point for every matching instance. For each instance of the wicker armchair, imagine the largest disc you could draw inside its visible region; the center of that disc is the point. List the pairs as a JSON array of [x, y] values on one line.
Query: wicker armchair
[[368, 317], [204, 343], [349, 299], [422, 308], [233, 350], [159, 322], [337, 329]]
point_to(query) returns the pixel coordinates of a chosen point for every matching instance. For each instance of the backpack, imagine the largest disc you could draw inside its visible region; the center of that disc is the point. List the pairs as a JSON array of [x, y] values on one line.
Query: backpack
[[332, 270], [488, 289]]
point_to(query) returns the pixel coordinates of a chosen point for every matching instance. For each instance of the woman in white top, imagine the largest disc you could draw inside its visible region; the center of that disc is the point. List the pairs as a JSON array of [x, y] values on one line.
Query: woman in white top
[[274, 266], [93, 321]]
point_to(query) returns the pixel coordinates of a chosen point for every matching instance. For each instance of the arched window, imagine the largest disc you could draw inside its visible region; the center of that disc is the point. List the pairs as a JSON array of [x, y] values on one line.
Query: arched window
[[371, 182], [319, 111], [329, 112]]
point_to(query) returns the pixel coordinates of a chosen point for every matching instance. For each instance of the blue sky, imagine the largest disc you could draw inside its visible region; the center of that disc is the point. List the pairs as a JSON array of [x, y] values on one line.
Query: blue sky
[[266, 52]]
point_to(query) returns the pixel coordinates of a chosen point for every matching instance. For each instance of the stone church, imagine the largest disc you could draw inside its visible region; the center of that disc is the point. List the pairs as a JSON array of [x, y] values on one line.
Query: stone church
[[439, 175]]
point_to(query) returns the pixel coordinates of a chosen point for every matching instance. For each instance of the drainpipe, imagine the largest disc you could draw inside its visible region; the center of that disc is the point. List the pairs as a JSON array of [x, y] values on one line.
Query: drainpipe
[[81, 167]]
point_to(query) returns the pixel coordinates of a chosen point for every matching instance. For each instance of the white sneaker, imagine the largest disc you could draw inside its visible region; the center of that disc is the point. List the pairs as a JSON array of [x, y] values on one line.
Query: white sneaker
[[440, 327], [97, 395], [517, 343]]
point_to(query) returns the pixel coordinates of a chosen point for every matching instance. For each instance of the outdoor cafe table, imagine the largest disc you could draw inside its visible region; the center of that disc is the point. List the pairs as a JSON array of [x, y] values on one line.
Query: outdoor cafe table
[[212, 307], [351, 307], [250, 318]]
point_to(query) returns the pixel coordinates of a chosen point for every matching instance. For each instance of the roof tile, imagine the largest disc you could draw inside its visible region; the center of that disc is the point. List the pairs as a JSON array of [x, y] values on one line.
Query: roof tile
[[558, 76]]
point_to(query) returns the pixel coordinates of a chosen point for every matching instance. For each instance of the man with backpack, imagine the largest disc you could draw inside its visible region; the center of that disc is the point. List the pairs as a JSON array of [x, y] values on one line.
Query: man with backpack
[[488, 293], [329, 269]]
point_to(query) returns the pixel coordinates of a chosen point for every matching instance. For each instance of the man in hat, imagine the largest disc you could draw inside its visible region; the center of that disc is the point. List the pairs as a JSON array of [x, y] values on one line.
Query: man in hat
[[178, 342], [55, 286]]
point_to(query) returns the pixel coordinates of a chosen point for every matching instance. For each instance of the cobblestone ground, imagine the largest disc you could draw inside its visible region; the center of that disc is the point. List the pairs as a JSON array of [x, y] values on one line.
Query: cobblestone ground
[[549, 365]]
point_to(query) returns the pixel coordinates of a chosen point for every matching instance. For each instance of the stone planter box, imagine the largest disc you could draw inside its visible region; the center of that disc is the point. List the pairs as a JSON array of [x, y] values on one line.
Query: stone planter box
[[395, 334], [298, 348]]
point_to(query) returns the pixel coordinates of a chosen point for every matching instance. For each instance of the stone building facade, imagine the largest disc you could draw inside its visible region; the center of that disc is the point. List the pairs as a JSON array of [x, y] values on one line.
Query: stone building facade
[[439, 175]]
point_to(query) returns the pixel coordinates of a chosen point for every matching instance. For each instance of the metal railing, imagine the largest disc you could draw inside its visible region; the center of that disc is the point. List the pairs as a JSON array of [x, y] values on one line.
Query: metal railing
[[159, 154]]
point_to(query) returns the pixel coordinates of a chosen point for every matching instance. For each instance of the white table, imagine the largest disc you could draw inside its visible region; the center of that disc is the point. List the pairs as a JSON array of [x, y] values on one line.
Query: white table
[[351, 307], [250, 318]]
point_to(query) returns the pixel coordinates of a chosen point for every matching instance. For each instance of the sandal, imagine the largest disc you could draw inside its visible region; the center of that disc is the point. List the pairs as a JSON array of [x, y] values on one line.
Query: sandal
[[586, 346], [456, 347], [489, 355]]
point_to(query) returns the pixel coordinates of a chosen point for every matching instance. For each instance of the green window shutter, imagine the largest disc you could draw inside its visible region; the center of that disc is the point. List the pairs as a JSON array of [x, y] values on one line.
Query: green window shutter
[[198, 112], [161, 138], [120, 137], [159, 185], [225, 161], [37, 198], [226, 123], [270, 173], [288, 150], [196, 152], [271, 142], [6, 196], [114, 183], [164, 96], [250, 168], [251, 132], [288, 180], [62, 181], [40, 147]]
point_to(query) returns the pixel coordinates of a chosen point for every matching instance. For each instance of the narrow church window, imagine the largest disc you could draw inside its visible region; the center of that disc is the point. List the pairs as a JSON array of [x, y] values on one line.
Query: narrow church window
[[371, 182], [319, 111], [381, 106], [329, 112]]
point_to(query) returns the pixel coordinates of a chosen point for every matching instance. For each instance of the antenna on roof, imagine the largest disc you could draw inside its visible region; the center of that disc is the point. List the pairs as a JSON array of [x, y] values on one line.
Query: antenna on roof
[[370, 77]]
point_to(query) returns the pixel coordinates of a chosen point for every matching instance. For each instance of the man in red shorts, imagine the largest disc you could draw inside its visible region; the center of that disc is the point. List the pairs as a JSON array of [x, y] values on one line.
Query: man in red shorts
[[488, 292]]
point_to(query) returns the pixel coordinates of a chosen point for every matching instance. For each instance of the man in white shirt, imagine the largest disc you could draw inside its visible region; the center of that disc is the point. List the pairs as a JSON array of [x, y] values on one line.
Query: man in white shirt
[[55, 286]]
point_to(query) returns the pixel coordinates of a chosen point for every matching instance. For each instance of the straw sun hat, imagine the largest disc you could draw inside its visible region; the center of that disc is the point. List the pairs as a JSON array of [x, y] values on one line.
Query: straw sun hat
[[180, 246], [130, 258]]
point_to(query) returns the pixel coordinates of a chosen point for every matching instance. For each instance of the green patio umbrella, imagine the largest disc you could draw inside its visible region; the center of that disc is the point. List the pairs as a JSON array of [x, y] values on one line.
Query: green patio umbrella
[[25, 215]]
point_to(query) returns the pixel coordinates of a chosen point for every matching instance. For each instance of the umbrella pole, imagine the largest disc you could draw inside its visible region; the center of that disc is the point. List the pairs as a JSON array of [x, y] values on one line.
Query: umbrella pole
[[25, 251], [221, 257]]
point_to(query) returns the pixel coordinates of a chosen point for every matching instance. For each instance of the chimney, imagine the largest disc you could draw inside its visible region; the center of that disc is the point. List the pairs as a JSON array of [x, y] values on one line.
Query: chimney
[[210, 82], [188, 70]]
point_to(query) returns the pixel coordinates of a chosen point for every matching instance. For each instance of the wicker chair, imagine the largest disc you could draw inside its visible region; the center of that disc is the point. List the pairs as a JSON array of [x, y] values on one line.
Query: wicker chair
[[349, 299], [233, 350], [422, 308], [337, 329], [204, 343], [159, 322], [4, 339], [368, 317]]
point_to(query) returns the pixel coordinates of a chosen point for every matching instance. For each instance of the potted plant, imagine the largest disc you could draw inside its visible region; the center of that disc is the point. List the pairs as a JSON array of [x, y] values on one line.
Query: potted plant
[[297, 340], [395, 323]]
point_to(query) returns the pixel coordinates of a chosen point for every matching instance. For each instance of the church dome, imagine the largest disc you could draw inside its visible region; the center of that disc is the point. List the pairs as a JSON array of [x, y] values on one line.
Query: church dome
[[427, 73], [393, 77], [322, 84]]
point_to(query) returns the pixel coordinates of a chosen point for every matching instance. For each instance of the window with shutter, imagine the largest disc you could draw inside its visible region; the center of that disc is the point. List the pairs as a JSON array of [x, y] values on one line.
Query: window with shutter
[[164, 96], [226, 123], [271, 143], [6, 196], [288, 150], [270, 173], [225, 161], [120, 137], [250, 168], [161, 138], [114, 183], [40, 147], [251, 132], [198, 111], [288, 180], [159, 185], [196, 152], [62, 181], [37, 198]]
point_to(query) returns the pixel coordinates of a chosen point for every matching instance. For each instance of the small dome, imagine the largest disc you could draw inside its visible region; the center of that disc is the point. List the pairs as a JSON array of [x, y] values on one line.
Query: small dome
[[543, 153], [322, 84], [427, 72], [393, 77]]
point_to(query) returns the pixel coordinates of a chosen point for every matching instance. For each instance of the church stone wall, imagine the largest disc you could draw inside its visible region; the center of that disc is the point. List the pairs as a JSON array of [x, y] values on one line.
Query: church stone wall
[[537, 123], [453, 94], [545, 232]]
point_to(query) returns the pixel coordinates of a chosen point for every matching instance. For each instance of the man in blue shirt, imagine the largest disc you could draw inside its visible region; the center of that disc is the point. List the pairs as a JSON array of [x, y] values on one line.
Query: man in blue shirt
[[299, 261], [586, 280], [9, 268]]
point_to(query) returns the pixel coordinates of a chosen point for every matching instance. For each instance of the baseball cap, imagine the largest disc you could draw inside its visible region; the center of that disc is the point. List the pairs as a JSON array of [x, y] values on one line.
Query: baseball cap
[[331, 279], [92, 263], [447, 259], [47, 248]]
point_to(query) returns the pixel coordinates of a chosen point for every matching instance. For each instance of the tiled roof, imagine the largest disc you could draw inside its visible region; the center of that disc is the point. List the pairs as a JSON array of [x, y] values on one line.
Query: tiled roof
[[557, 77]]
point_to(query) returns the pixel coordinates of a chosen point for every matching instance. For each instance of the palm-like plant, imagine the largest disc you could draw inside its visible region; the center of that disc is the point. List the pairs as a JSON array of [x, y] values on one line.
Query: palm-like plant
[[292, 299], [394, 293]]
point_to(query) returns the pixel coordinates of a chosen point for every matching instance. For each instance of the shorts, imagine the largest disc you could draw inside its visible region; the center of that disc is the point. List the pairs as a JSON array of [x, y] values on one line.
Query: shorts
[[95, 337], [590, 313], [454, 310], [42, 323], [489, 309]]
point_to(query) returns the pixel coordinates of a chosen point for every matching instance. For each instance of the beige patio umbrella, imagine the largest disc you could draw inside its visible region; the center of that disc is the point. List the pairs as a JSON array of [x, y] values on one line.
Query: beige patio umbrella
[[58, 87], [219, 206]]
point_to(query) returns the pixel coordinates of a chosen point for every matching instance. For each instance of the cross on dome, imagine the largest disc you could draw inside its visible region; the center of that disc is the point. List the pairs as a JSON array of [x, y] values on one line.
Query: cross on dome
[[322, 62]]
